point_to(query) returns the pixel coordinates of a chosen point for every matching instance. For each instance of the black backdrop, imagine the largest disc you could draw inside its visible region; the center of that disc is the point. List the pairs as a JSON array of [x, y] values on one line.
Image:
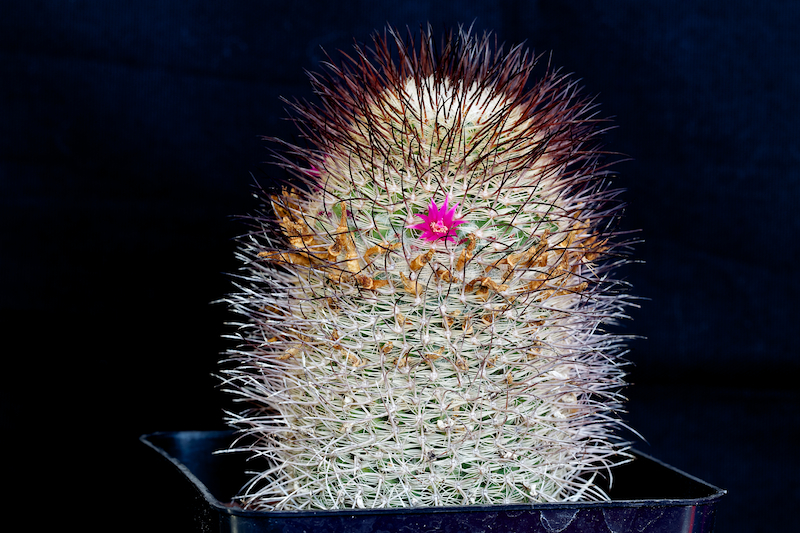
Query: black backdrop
[[130, 135]]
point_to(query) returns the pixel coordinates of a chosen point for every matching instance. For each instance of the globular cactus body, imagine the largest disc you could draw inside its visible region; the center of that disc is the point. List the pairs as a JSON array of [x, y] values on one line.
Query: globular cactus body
[[425, 321]]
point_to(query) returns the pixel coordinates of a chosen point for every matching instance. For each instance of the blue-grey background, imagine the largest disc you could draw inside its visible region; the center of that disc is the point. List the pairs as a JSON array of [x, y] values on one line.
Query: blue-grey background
[[129, 135]]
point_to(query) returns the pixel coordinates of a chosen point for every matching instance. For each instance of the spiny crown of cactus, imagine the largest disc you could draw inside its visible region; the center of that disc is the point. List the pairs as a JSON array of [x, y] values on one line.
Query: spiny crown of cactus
[[424, 323]]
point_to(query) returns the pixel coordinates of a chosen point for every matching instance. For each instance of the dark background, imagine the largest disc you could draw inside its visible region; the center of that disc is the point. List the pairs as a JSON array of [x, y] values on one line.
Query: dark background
[[130, 135]]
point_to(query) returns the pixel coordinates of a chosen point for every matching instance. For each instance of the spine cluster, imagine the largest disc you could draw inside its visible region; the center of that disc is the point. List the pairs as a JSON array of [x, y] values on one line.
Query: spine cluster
[[424, 322]]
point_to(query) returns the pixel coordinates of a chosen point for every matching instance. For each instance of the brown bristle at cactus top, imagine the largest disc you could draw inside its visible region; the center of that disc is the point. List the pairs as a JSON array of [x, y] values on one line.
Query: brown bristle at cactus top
[[424, 324]]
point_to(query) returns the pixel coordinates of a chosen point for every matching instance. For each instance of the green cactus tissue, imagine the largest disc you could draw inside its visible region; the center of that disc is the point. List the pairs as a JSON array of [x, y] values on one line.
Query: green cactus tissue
[[423, 318]]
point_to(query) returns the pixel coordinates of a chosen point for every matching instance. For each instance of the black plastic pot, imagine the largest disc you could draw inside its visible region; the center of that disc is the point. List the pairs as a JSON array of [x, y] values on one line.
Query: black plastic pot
[[648, 496]]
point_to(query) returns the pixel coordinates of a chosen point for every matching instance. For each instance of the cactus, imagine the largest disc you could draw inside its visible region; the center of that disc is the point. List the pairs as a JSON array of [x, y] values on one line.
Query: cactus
[[424, 317]]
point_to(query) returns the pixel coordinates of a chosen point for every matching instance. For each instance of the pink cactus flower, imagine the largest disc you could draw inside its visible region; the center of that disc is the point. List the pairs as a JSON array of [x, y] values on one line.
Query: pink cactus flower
[[439, 223]]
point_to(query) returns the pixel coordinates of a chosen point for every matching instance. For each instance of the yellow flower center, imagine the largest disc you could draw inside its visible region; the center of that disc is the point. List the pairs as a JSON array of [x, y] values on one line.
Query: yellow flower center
[[438, 227]]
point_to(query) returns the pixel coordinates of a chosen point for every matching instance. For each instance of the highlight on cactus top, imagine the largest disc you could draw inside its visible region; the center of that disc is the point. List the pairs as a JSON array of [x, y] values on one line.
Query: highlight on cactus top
[[383, 361]]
